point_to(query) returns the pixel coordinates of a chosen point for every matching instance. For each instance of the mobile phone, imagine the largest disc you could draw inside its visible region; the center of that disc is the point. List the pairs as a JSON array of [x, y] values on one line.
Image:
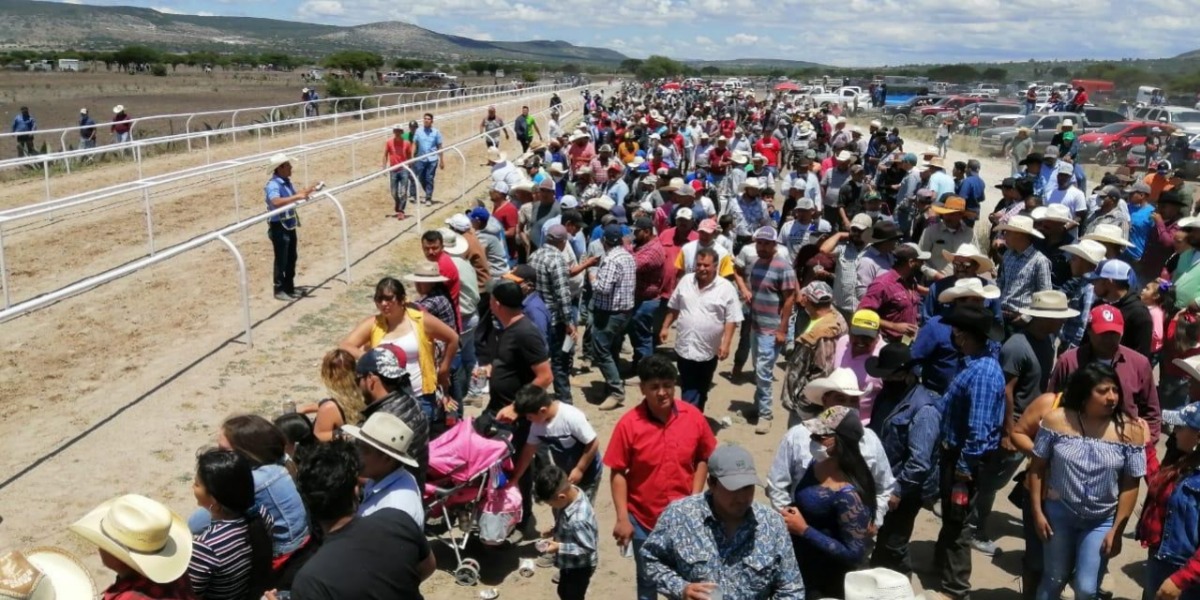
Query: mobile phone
[[320, 186]]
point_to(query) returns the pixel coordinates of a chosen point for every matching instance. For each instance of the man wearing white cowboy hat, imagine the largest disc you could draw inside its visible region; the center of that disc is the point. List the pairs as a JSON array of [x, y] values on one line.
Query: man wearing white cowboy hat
[[1085, 255], [933, 349], [580, 151], [281, 228], [1023, 270], [965, 260], [795, 452], [147, 545], [383, 442], [503, 170], [948, 233], [122, 125], [1113, 238], [44, 574], [1056, 224]]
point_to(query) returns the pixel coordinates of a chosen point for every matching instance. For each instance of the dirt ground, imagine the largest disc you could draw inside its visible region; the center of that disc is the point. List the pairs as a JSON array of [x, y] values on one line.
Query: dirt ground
[[114, 391]]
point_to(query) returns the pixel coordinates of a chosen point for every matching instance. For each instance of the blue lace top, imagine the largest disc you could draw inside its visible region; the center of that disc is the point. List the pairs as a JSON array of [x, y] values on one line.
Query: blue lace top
[[836, 539]]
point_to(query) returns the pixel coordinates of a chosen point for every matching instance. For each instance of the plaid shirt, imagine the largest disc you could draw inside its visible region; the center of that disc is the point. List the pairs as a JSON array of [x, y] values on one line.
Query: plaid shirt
[[1022, 274], [615, 279], [553, 279], [973, 410], [577, 533], [650, 259]]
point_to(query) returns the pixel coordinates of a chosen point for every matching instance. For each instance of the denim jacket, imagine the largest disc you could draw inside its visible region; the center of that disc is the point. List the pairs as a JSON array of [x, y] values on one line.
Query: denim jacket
[[274, 489], [910, 436], [1181, 535]]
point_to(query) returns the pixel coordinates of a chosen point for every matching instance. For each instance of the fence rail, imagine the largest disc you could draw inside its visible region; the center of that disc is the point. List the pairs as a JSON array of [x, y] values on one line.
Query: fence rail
[[221, 235]]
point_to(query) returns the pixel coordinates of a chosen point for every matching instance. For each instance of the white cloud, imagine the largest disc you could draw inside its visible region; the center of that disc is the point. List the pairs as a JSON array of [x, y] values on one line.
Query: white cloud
[[704, 40], [742, 39], [321, 8]]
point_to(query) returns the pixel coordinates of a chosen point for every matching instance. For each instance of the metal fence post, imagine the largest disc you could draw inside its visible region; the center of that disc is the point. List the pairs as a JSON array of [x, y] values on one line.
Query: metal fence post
[[244, 283], [4, 270], [462, 193], [233, 124], [345, 232], [46, 175], [149, 218], [187, 129], [237, 197]]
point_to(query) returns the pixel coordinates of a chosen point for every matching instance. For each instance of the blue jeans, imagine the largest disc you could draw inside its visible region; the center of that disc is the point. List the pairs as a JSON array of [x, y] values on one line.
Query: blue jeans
[[426, 170], [641, 329], [646, 589], [994, 475], [765, 353], [608, 331], [403, 187], [1074, 546], [464, 364], [695, 378], [560, 363], [1157, 572]]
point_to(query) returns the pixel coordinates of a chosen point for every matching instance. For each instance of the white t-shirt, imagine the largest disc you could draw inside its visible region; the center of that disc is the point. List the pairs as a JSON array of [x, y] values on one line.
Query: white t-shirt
[[749, 255], [1072, 197], [703, 314], [565, 436]]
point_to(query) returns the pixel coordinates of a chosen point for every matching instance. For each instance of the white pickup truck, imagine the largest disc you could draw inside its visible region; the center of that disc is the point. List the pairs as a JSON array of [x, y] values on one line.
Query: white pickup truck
[[843, 95]]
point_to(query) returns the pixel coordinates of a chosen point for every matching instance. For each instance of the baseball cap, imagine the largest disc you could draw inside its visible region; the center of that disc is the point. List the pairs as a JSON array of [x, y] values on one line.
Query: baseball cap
[[861, 221], [733, 467], [1188, 416], [818, 292], [522, 274], [387, 361], [459, 222], [805, 204], [708, 226], [865, 322], [500, 187], [1106, 319], [643, 223], [568, 201], [557, 233], [612, 235], [684, 213], [836, 419], [479, 213], [766, 234], [507, 293], [910, 251], [1111, 191], [1114, 269], [1139, 187]]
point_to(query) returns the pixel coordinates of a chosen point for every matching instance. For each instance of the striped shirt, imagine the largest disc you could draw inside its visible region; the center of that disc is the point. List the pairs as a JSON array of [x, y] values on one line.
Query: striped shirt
[[771, 281], [577, 533], [1022, 274], [613, 289], [221, 563], [1085, 473]]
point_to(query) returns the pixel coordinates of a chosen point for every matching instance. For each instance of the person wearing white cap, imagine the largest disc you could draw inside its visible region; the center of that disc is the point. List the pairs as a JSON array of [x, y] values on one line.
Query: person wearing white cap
[[1111, 283], [401, 184], [1023, 270], [1085, 255], [831, 184], [1066, 193], [87, 130], [845, 248], [281, 227]]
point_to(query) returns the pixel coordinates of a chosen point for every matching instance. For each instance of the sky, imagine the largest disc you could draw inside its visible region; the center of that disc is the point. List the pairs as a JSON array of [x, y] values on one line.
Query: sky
[[844, 33]]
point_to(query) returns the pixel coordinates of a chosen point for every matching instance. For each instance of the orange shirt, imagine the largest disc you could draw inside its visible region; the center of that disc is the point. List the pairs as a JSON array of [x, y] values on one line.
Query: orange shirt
[[398, 152], [1157, 184]]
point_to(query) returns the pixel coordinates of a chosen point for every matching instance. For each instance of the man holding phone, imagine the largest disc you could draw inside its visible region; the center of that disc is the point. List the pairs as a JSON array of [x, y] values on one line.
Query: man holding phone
[[281, 228]]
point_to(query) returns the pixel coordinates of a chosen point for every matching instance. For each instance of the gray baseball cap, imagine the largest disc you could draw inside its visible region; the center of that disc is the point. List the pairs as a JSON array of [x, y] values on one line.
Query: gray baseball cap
[[734, 467]]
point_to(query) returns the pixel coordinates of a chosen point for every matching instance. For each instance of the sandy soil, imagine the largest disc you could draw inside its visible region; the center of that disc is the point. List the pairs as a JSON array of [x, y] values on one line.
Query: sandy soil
[[130, 380]]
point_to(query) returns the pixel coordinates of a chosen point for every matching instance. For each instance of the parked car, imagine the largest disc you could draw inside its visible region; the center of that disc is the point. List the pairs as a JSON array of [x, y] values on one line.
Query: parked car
[[988, 111], [1006, 120], [1043, 126], [901, 114], [844, 95], [1191, 167], [1123, 133], [929, 115], [1187, 119]]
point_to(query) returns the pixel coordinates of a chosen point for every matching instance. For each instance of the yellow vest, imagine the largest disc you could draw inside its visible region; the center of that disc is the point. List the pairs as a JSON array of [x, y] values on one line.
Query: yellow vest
[[425, 356]]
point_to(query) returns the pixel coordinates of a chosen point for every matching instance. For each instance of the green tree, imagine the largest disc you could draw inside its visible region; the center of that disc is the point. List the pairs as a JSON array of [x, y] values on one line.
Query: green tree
[[710, 71], [529, 76], [995, 74], [657, 67], [631, 65], [570, 69], [174, 60], [1060, 71], [953, 73], [131, 56], [357, 62], [280, 60]]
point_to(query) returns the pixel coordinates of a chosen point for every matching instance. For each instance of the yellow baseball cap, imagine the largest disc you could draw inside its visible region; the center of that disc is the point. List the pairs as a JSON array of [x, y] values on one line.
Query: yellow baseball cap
[[865, 322]]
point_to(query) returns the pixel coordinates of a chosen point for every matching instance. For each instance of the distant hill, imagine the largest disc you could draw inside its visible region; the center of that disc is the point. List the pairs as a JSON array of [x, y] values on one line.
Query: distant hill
[[756, 63], [29, 24]]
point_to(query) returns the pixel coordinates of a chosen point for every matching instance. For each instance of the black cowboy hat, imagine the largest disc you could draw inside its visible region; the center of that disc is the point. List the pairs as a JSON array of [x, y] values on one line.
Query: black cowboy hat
[[884, 231], [892, 358], [977, 320], [1033, 158]]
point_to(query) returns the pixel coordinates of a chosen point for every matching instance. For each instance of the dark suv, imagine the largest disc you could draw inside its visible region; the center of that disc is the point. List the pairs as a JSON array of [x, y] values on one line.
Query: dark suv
[[901, 114]]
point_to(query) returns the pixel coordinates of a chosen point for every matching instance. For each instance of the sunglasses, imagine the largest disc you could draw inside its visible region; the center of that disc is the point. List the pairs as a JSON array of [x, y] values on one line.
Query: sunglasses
[[381, 298]]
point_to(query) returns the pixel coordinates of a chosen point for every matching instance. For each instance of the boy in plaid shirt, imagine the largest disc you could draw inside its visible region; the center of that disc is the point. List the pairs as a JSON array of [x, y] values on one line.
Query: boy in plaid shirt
[[575, 531]]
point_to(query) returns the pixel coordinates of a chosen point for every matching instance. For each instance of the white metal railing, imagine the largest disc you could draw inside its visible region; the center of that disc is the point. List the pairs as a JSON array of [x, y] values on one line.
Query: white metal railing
[[221, 235], [143, 187], [433, 99]]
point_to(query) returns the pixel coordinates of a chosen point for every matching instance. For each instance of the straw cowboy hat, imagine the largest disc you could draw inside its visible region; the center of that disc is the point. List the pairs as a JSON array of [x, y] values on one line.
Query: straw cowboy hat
[[951, 205], [1107, 233], [934, 162], [386, 433], [750, 182], [425, 273], [968, 287], [494, 155], [1049, 304], [579, 135], [278, 159], [843, 381], [1021, 224], [739, 158], [1190, 365], [44, 574], [882, 584], [142, 533], [672, 185], [1058, 213], [972, 252], [844, 156], [557, 168], [1089, 250]]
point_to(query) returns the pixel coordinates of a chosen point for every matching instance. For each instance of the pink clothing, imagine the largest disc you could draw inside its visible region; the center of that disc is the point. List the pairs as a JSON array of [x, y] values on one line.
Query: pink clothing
[[844, 359], [1156, 334]]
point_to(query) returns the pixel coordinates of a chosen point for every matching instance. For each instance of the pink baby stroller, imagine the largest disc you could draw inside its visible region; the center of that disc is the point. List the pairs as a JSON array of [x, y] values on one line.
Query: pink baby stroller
[[465, 486]]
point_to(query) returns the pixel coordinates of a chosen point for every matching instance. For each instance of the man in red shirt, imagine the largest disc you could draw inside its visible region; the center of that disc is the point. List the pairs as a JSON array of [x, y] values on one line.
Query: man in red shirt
[[769, 147], [651, 261], [658, 454], [433, 245], [894, 294], [719, 159], [396, 151]]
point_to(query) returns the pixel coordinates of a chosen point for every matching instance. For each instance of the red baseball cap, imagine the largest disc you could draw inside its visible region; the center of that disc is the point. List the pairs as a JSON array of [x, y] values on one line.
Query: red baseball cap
[[1107, 319]]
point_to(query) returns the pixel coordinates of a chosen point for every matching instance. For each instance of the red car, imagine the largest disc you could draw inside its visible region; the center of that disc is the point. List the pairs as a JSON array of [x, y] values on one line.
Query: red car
[[928, 116], [1125, 133]]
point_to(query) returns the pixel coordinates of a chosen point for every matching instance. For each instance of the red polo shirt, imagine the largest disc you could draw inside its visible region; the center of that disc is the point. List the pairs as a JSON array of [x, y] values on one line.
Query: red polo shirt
[[447, 269], [659, 459]]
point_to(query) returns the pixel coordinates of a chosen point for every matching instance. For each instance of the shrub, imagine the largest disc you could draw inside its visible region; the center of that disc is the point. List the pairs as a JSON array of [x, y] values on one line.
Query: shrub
[[158, 70]]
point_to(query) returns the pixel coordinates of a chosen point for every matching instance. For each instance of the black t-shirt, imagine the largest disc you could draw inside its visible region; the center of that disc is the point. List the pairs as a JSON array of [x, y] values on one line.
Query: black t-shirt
[[371, 558], [519, 348]]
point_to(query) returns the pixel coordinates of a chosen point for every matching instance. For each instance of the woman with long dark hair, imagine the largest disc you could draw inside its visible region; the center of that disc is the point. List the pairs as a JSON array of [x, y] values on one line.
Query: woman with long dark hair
[[834, 504], [1089, 456], [231, 558]]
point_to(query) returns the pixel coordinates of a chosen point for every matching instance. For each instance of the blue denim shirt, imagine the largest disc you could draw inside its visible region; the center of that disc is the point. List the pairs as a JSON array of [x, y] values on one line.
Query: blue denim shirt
[[1180, 536], [910, 436], [937, 359], [275, 490]]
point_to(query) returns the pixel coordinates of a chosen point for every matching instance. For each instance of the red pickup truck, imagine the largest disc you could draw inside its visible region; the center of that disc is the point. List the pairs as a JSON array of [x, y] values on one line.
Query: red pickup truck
[[929, 116]]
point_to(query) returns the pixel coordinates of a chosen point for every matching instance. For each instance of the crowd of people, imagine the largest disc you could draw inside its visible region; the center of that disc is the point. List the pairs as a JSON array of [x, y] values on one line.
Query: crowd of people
[[26, 127], [936, 348]]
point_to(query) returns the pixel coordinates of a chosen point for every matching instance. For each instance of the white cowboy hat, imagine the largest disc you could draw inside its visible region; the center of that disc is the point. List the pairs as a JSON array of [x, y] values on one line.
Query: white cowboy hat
[[278, 159], [1108, 233], [840, 380], [1049, 304], [1021, 224], [386, 433], [426, 272], [525, 186], [142, 533], [1089, 250], [454, 244], [579, 136], [844, 156], [673, 185], [882, 584], [1058, 213], [557, 168], [118, 109], [44, 574], [602, 202], [739, 158], [750, 182], [972, 252], [494, 155], [1190, 365], [968, 287]]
